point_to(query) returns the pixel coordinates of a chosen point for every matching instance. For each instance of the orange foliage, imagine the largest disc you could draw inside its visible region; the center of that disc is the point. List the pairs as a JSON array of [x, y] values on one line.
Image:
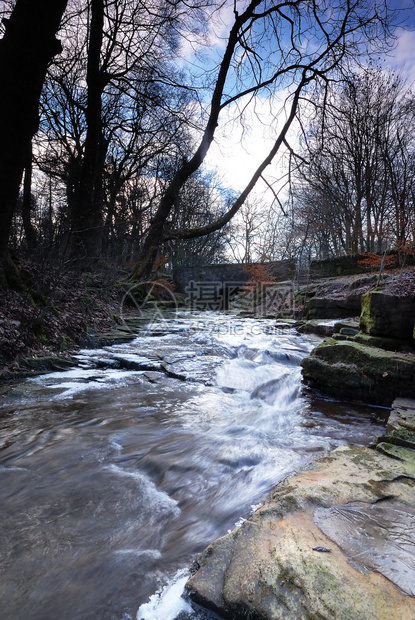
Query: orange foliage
[[373, 261], [406, 248], [162, 288], [259, 275]]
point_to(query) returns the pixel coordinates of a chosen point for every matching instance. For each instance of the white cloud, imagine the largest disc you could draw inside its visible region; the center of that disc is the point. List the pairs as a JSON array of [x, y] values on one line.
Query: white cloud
[[403, 57], [241, 144]]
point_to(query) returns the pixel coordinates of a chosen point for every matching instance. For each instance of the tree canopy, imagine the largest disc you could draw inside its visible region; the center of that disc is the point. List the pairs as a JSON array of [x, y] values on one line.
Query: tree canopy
[[122, 118]]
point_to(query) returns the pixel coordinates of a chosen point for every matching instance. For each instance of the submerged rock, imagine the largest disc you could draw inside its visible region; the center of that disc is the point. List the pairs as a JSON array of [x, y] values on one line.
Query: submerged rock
[[356, 502]]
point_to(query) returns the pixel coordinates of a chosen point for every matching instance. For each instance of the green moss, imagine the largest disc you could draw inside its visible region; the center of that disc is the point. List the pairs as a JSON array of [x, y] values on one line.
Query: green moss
[[402, 437], [66, 344], [399, 453], [404, 433]]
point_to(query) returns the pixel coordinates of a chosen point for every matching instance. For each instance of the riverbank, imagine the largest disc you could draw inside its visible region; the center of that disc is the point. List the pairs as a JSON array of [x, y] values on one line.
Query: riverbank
[[63, 309], [335, 540], [44, 325]]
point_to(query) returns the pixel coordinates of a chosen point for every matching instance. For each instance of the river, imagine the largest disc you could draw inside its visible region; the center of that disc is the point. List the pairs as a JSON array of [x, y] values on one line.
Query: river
[[117, 473]]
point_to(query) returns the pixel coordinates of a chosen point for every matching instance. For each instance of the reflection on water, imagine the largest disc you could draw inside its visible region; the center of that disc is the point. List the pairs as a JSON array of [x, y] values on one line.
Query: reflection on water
[[114, 475], [374, 537]]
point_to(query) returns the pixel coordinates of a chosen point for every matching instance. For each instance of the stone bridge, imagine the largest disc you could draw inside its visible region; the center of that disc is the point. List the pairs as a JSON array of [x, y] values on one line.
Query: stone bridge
[[230, 274]]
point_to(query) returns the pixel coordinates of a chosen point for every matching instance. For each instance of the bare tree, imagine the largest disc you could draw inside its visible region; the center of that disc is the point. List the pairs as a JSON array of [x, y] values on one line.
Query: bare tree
[[271, 46], [27, 47], [247, 231], [357, 185], [104, 126]]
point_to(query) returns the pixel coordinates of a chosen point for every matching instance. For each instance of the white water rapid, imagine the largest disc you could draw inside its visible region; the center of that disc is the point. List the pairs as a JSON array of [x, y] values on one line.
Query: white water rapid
[[117, 473]]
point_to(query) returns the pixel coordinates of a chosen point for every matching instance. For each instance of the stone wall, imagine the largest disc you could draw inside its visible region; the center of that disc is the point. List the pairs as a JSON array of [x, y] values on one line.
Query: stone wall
[[334, 267], [231, 273], [349, 265]]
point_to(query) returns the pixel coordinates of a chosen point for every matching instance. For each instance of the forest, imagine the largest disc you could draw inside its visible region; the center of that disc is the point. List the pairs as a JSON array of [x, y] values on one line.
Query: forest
[[109, 109]]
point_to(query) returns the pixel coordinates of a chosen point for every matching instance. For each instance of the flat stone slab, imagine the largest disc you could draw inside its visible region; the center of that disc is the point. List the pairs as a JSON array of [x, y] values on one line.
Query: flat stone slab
[[402, 415], [336, 540]]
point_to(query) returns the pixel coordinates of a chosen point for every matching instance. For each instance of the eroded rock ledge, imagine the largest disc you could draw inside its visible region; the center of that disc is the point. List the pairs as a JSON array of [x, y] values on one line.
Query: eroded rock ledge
[[375, 364], [336, 540]]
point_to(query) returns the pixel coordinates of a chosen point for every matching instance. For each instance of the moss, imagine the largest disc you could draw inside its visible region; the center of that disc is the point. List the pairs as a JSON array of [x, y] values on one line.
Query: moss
[[362, 458], [47, 363], [404, 433], [401, 437], [383, 342], [66, 344], [399, 453]]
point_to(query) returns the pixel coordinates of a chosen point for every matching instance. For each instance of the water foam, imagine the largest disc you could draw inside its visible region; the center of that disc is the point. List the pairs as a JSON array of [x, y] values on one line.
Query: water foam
[[153, 496], [168, 603]]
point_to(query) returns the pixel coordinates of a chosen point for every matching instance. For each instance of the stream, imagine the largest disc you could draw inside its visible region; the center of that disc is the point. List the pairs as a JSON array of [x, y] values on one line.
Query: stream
[[115, 474]]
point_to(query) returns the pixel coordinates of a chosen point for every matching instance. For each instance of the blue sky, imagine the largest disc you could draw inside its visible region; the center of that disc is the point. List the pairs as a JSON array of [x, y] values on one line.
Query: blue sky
[[403, 57], [235, 164]]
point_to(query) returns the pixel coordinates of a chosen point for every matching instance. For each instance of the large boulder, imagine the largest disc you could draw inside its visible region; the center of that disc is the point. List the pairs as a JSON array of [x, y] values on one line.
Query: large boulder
[[323, 545], [354, 371], [387, 315], [333, 308]]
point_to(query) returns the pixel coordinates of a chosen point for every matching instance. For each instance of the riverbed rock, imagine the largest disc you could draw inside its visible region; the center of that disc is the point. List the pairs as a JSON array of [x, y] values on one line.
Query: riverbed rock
[[336, 540], [387, 315], [48, 363], [316, 326], [333, 308], [353, 371], [382, 342], [402, 416]]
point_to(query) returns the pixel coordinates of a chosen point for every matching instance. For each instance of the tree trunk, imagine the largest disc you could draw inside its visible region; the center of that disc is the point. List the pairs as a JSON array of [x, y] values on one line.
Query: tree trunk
[[29, 230], [86, 215], [26, 49]]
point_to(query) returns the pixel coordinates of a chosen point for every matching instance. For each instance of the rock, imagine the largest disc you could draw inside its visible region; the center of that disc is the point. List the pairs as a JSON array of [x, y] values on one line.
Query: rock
[[48, 363], [285, 323], [333, 308], [382, 342], [354, 371], [400, 430], [107, 339], [316, 326], [348, 331], [348, 324], [387, 315], [341, 337], [352, 502], [402, 416]]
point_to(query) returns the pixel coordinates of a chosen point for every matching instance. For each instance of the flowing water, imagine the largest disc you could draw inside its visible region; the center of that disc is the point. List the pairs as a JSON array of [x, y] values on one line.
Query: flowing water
[[115, 474]]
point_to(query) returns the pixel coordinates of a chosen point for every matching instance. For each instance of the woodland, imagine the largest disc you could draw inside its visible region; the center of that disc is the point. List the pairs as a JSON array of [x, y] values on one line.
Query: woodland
[[108, 110]]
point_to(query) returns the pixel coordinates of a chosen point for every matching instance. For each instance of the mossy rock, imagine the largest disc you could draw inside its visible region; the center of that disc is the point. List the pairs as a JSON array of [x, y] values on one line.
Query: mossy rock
[[382, 342], [403, 437], [48, 363], [387, 315], [271, 567], [333, 308], [399, 453], [315, 326], [354, 371]]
